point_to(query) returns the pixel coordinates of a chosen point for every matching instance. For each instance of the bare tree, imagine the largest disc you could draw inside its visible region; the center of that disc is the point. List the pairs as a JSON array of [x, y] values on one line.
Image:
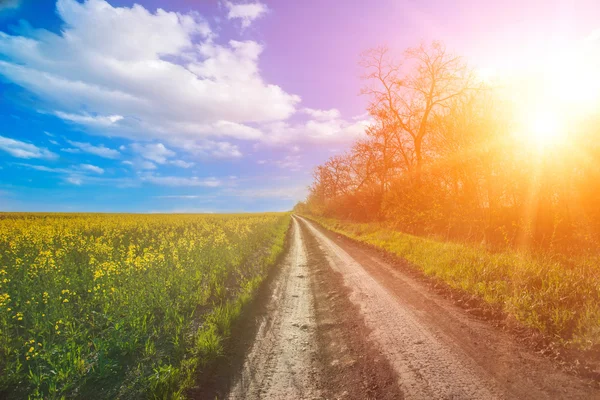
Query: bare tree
[[408, 102]]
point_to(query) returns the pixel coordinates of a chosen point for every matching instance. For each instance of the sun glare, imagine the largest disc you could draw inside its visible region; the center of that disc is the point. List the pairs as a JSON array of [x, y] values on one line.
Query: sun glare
[[545, 129], [552, 94]]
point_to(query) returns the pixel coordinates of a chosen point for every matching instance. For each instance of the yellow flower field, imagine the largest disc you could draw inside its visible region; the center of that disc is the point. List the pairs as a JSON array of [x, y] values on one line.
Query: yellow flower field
[[131, 304]]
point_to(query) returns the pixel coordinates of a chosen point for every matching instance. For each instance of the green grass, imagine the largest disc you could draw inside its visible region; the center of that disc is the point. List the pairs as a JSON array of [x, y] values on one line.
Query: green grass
[[560, 299]]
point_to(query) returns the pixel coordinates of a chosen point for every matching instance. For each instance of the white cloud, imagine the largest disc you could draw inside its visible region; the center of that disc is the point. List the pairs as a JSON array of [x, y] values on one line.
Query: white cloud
[[90, 119], [101, 151], [162, 77], [322, 114], [246, 12], [146, 75], [75, 175], [79, 175], [182, 164], [156, 152], [19, 149], [75, 180], [212, 149], [46, 169], [91, 168], [327, 129], [335, 130], [140, 164], [181, 181]]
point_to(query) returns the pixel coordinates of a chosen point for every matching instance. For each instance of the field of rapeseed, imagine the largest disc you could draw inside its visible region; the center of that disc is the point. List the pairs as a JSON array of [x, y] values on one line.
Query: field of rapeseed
[[123, 306]]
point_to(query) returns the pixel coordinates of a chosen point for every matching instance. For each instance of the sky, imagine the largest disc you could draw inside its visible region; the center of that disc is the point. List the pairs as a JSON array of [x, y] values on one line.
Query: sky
[[214, 105]]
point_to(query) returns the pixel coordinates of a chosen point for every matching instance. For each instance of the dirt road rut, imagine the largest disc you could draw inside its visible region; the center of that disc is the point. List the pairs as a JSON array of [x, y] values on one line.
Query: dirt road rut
[[414, 344], [280, 364]]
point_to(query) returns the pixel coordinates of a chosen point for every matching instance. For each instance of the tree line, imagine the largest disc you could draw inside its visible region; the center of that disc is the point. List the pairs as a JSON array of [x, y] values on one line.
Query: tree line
[[444, 156]]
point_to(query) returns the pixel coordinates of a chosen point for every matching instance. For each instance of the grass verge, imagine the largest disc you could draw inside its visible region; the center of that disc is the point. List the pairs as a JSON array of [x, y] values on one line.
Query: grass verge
[[209, 341], [542, 292]]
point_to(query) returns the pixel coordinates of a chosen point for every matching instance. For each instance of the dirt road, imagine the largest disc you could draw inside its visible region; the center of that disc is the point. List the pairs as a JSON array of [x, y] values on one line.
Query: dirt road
[[280, 363], [343, 323]]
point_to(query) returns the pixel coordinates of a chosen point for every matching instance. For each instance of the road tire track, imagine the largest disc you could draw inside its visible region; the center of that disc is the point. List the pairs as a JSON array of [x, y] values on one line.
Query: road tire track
[[342, 323], [281, 363], [352, 367], [437, 350]]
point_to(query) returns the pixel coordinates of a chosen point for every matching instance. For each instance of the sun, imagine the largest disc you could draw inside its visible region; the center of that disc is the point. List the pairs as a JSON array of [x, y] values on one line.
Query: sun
[[553, 95], [545, 129], [551, 91]]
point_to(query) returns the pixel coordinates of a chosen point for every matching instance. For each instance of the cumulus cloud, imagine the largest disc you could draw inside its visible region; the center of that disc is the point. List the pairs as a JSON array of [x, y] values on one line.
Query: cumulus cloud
[[322, 114], [246, 12], [145, 75], [327, 127], [156, 152], [211, 149], [182, 164], [161, 77], [19, 149], [100, 151]]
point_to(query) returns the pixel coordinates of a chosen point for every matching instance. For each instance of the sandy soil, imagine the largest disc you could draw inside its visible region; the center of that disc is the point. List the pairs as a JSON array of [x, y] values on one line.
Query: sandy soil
[[343, 323]]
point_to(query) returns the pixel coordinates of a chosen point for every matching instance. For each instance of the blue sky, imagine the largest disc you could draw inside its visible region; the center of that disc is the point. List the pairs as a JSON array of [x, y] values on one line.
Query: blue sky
[[211, 106]]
